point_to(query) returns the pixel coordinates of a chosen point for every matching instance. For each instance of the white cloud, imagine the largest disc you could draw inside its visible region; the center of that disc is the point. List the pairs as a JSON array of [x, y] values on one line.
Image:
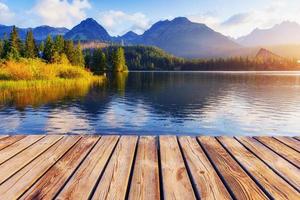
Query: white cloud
[[119, 22], [6, 15], [61, 12], [243, 23]]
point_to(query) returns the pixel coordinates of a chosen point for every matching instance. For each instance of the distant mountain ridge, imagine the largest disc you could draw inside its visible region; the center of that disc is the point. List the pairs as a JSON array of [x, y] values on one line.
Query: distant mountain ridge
[[281, 34], [40, 32], [179, 37], [184, 38]]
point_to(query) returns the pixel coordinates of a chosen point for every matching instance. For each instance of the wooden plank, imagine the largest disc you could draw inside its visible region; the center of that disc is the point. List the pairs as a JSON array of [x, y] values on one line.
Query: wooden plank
[[6, 141], [176, 182], [291, 142], [17, 147], [83, 181], [50, 183], [277, 163], [16, 163], [22, 180], [283, 150], [3, 136], [145, 181], [298, 138], [241, 185], [207, 181], [270, 181], [113, 184]]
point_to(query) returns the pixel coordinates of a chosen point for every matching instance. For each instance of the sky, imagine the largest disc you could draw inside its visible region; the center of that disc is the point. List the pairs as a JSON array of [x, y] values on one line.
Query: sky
[[233, 18]]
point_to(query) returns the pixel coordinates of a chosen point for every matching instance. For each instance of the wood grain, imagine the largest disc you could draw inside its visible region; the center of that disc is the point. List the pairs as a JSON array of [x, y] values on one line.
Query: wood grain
[[281, 149], [19, 161], [242, 186], [83, 181], [104, 167], [208, 183], [276, 186], [6, 141], [51, 182], [291, 142], [113, 184], [145, 181], [176, 182], [23, 179], [17, 147], [3, 136], [277, 163]]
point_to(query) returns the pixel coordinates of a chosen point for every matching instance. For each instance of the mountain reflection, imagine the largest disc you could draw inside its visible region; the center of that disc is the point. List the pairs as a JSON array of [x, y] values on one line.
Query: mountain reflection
[[161, 102]]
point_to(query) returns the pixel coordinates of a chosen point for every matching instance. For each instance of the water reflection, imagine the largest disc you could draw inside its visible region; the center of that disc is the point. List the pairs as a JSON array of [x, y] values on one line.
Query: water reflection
[[162, 103]]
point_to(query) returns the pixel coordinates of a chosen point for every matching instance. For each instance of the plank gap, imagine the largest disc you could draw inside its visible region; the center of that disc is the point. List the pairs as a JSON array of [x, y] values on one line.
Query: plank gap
[[161, 188]]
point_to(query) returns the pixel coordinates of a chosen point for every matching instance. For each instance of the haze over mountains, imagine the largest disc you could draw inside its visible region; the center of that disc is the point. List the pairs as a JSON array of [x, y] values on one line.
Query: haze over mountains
[[281, 34], [179, 36]]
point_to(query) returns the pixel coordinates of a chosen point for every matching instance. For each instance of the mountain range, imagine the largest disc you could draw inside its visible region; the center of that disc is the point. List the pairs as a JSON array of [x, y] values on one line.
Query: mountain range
[[281, 34], [40, 32], [179, 36]]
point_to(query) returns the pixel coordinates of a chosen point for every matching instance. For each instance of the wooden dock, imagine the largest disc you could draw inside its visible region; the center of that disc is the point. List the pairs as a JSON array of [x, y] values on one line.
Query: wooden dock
[[165, 167]]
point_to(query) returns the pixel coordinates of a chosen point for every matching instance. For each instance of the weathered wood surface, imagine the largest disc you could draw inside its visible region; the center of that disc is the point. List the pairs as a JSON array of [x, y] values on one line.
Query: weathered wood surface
[[281, 149], [6, 141], [207, 181], [113, 183], [145, 181], [149, 167], [18, 146], [291, 142], [239, 182], [275, 185], [274, 161], [84, 180], [176, 182]]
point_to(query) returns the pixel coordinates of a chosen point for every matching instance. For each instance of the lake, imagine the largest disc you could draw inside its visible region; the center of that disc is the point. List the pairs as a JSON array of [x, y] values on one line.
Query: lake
[[181, 103]]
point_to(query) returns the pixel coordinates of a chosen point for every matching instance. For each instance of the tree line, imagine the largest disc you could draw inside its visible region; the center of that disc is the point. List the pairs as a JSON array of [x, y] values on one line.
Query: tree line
[[106, 59], [52, 50], [116, 58], [59, 50], [152, 58]]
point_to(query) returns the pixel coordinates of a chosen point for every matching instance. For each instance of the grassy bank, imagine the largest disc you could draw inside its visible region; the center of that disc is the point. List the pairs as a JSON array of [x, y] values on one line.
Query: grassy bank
[[34, 73]]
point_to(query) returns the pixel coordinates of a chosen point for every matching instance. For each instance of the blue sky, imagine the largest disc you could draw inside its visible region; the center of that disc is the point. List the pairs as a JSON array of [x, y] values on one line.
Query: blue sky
[[230, 17]]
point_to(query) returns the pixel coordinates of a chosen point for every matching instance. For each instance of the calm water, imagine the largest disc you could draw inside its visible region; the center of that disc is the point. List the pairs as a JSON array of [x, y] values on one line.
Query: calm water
[[161, 103]]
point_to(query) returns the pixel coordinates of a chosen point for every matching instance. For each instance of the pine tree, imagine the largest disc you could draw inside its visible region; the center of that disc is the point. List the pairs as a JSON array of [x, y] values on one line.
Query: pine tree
[[15, 45], [42, 46], [118, 60], [69, 50], [78, 56], [30, 50], [48, 50], [5, 47], [95, 59], [59, 44], [1, 48], [103, 62]]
